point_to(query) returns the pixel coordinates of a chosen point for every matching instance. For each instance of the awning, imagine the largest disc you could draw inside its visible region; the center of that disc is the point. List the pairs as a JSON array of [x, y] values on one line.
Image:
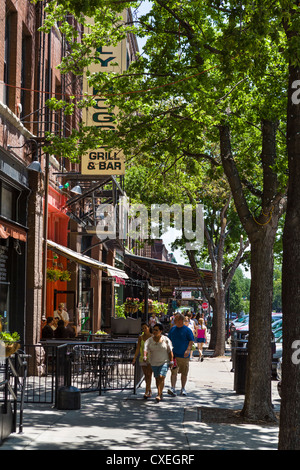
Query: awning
[[85, 260], [10, 230], [164, 273]]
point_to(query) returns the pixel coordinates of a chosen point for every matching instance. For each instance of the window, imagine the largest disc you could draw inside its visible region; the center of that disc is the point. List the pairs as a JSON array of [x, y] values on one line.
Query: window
[[7, 203], [7, 56], [25, 75], [10, 51]]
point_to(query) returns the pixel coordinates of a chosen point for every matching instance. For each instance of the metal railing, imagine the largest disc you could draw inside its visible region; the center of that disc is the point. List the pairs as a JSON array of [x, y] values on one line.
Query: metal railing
[[94, 366], [13, 374]]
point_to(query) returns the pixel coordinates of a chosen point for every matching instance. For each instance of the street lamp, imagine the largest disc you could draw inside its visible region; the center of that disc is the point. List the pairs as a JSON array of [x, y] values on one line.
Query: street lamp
[[76, 190]]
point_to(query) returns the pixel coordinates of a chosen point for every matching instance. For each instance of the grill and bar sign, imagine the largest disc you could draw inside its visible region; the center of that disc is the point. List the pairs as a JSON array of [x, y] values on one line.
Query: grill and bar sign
[[103, 161]]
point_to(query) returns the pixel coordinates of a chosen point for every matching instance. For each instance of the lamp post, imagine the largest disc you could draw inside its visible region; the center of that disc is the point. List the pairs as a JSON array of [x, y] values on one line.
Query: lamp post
[[36, 166], [45, 237]]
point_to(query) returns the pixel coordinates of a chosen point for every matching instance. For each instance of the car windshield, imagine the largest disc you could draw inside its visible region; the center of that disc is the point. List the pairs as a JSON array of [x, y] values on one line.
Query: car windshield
[[278, 333], [242, 319]]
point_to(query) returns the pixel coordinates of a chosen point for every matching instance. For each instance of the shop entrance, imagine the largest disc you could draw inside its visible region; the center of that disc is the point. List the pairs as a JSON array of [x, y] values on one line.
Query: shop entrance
[[67, 297], [86, 315]]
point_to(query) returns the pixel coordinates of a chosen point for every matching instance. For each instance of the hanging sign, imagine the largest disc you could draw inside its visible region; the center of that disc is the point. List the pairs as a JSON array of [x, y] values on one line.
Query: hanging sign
[[102, 161]]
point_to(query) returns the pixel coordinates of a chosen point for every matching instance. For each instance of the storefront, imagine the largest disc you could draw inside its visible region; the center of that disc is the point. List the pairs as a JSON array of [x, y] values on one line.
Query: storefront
[[94, 279], [14, 192]]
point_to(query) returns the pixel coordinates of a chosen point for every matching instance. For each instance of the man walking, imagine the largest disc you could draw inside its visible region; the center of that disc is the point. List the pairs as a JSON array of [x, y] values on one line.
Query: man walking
[[182, 339]]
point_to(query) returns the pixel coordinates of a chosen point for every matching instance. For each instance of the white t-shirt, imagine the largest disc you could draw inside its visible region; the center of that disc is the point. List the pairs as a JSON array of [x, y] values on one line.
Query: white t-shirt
[[158, 353], [61, 315]]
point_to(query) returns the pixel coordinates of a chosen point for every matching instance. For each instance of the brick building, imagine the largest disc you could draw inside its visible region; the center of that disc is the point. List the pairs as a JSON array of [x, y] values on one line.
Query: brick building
[[43, 224]]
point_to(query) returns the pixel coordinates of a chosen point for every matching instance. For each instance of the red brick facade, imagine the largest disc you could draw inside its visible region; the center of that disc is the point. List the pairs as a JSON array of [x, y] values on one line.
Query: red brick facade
[[28, 77]]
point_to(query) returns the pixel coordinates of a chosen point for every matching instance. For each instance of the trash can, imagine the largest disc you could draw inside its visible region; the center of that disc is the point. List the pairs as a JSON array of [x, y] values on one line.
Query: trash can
[[240, 369], [68, 398]]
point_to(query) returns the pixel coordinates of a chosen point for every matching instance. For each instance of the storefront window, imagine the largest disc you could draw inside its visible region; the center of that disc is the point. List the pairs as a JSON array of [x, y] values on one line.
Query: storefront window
[[7, 203], [4, 284]]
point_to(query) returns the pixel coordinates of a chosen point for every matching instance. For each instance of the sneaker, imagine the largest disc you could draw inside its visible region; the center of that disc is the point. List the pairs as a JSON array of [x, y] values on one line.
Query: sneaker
[[171, 391], [183, 392]]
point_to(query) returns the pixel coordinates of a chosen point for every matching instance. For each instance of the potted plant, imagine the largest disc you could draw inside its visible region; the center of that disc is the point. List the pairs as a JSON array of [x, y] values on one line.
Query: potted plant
[[101, 332], [11, 342], [159, 308], [131, 304], [150, 306], [55, 274], [119, 309]]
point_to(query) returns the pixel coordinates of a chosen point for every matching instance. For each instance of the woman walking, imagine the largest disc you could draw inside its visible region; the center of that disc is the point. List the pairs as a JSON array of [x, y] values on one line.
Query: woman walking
[[146, 367], [158, 351], [201, 337]]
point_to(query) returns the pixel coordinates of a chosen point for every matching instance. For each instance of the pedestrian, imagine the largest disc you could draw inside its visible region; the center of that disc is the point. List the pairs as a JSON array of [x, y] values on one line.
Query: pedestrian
[[191, 325], [47, 331], [61, 313], [201, 338], [153, 320], [209, 322], [172, 319], [146, 367], [61, 331], [182, 340], [158, 351]]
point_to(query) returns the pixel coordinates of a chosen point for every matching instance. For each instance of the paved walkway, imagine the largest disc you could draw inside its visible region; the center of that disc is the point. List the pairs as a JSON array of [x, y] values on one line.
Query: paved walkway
[[122, 421]]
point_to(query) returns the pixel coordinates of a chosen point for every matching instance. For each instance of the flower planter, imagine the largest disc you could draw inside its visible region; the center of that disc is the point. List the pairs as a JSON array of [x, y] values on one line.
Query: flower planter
[[150, 309], [11, 348], [131, 308]]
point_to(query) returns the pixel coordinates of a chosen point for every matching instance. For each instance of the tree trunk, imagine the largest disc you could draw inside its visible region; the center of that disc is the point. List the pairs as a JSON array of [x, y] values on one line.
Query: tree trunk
[[261, 232], [219, 346], [258, 404], [289, 433]]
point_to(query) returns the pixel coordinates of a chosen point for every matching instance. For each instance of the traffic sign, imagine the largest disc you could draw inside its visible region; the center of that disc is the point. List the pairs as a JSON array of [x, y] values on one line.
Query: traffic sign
[[205, 305]]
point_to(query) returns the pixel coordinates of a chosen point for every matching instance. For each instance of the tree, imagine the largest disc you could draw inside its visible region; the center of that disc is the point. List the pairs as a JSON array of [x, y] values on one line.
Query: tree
[[222, 276], [228, 70], [222, 232], [289, 435], [232, 117], [239, 292], [277, 296]]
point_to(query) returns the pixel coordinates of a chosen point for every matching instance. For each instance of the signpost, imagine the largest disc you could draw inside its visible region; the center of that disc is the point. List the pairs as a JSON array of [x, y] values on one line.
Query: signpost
[[103, 161]]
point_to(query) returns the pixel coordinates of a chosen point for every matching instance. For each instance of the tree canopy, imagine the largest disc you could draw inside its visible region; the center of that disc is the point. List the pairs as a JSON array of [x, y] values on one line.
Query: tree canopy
[[214, 94]]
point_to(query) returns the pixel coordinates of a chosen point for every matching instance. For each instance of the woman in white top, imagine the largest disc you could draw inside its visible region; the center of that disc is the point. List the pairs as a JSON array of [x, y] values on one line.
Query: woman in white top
[[158, 351], [146, 367]]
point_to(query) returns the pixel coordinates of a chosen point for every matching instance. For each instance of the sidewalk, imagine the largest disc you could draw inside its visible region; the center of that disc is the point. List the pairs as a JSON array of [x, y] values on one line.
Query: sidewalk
[[123, 421]]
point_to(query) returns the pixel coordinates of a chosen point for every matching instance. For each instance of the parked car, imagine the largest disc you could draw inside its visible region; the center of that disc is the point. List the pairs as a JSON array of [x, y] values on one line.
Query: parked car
[[279, 375], [239, 321], [276, 322], [183, 310], [277, 355]]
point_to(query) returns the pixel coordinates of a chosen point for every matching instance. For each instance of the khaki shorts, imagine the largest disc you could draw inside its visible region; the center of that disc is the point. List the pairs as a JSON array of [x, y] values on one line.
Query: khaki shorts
[[183, 364]]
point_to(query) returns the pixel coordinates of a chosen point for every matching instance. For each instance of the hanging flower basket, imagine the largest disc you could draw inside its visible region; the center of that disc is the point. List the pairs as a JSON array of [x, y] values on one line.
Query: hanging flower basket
[[10, 342], [131, 305], [54, 274], [150, 306], [11, 348]]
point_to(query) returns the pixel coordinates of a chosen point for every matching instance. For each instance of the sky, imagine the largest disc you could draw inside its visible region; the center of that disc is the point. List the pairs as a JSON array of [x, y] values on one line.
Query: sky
[[142, 10]]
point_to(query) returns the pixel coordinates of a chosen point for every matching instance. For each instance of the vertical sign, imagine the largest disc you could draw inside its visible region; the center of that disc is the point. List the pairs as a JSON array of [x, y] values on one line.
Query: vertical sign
[[101, 161]]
